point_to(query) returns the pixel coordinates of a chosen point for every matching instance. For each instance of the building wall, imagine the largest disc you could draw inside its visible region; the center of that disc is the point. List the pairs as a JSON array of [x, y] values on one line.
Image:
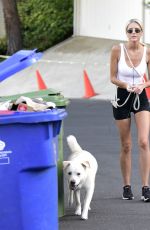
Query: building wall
[[2, 26], [107, 19], [147, 24]]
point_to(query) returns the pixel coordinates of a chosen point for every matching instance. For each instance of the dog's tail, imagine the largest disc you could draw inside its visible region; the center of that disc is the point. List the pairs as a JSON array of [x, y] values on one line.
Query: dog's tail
[[73, 144]]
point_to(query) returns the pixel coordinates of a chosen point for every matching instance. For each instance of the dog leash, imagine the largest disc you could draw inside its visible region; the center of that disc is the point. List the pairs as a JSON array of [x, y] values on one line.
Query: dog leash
[[136, 100]]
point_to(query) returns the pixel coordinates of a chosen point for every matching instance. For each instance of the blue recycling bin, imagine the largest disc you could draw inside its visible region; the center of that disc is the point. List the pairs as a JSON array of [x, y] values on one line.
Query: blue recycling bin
[[28, 169], [17, 62]]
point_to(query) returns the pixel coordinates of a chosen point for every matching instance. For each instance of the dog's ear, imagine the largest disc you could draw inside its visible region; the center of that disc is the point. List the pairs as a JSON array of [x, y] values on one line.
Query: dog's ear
[[86, 164], [66, 164]]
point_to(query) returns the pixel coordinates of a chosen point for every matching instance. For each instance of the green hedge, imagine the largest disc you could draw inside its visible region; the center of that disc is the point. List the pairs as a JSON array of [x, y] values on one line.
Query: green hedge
[[44, 23], [3, 46]]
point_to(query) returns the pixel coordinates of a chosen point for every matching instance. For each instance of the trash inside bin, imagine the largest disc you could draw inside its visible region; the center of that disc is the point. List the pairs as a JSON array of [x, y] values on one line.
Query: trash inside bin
[[47, 95], [28, 169]]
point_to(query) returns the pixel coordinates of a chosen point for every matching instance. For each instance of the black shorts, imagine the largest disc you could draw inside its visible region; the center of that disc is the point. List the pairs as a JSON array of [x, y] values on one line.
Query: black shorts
[[124, 112]]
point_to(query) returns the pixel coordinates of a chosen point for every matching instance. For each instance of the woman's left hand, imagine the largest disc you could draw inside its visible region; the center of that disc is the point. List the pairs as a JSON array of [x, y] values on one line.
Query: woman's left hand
[[138, 88]]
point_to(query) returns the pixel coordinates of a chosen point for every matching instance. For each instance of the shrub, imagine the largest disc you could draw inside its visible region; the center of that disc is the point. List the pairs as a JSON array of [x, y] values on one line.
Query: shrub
[[44, 23]]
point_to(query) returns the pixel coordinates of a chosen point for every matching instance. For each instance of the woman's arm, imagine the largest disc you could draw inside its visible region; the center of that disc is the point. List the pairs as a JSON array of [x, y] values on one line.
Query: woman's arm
[[148, 64], [114, 58]]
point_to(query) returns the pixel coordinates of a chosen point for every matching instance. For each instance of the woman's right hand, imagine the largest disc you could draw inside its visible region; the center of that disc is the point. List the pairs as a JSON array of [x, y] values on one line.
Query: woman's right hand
[[130, 88]]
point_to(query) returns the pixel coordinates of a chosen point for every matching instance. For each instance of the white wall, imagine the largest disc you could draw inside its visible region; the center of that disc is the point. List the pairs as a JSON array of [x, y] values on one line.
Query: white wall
[[146, 19], [106, 18]]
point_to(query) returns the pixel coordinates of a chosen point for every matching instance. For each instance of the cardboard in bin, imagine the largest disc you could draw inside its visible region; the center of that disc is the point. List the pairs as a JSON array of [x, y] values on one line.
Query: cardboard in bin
[[17, 62]]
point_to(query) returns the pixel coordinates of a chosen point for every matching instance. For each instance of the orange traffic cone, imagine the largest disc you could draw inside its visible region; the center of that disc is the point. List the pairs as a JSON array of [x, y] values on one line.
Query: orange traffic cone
[[147, 89], [41, 84], [89, 91]]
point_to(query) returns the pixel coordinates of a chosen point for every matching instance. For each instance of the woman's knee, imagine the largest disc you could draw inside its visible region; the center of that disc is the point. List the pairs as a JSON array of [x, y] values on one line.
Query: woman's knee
[[143, 143], [126, 148]]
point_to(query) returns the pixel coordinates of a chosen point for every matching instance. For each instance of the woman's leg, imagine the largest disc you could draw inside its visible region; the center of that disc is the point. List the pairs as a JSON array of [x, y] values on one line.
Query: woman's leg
[[142, 122], [126, 145]]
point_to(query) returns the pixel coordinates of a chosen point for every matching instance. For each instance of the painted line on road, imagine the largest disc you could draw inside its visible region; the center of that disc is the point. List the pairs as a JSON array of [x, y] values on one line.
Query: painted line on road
[[66, 62]]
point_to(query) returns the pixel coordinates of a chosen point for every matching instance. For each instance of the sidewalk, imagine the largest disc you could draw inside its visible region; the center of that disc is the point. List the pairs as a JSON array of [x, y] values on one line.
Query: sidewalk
[[92, 123]]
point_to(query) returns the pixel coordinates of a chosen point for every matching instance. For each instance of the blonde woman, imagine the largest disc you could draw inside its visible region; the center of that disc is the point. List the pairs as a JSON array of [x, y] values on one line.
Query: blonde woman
[[129, 62]]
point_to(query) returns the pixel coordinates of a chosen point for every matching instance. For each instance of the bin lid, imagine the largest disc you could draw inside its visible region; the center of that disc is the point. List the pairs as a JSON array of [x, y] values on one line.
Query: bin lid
[[32, 117], [17, 62], [46, 94]]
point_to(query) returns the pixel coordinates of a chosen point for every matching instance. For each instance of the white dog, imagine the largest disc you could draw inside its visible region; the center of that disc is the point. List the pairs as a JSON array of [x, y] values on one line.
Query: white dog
[[80, 170]]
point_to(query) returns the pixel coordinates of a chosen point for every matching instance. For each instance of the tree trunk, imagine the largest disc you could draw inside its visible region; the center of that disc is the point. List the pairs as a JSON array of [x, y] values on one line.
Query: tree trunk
[[12, 25]]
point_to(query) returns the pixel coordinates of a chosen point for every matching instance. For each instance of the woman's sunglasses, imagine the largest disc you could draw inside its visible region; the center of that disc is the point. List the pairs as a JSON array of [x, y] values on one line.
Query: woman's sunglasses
[[134, 30]]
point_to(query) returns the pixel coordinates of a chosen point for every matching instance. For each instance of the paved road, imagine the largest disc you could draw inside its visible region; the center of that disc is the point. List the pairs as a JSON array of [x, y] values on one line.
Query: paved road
[[92, 123]]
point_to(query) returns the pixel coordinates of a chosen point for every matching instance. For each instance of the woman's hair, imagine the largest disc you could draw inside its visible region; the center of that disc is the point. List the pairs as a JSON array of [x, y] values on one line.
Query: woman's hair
[[136, 21]]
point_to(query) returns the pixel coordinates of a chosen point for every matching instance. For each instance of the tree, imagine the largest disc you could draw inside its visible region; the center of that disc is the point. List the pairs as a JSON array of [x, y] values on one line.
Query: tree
[[12, 25]]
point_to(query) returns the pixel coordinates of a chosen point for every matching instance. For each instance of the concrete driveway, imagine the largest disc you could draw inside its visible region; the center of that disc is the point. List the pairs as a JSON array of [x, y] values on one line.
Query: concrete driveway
[[62, 66]]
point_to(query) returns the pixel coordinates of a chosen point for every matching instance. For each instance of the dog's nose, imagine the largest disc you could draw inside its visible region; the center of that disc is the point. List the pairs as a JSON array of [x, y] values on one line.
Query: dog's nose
[[72, 183]]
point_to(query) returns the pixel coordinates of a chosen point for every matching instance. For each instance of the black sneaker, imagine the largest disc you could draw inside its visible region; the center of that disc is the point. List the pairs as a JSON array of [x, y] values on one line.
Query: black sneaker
[[145, 194], [127, 193]]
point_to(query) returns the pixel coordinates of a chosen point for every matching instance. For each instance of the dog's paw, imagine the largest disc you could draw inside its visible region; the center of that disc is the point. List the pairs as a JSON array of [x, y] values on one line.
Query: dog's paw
[[78, 212], [84, 217]]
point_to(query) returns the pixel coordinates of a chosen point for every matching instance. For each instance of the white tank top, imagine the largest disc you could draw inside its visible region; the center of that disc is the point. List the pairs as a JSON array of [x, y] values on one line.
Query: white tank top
[[128, 74]]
